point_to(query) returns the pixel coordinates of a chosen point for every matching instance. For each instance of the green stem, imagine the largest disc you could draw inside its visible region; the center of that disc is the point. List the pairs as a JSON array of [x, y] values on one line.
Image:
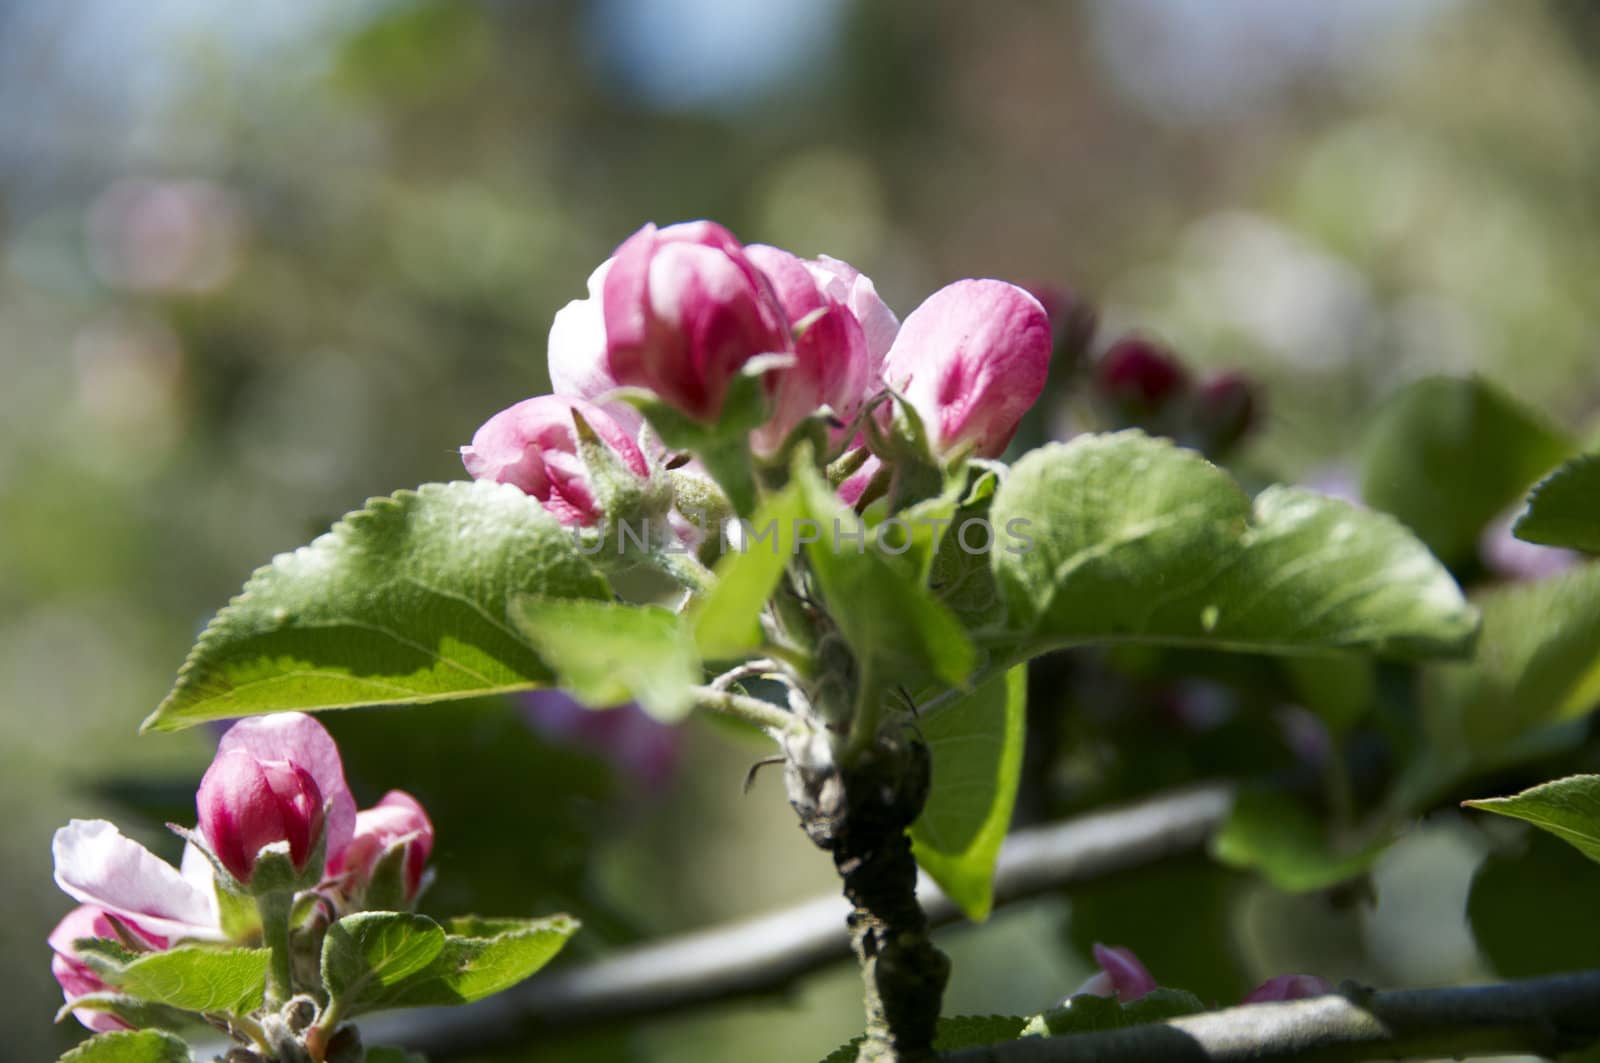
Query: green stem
[[868, 715], [743, 707], [274, 909], [686, 569]]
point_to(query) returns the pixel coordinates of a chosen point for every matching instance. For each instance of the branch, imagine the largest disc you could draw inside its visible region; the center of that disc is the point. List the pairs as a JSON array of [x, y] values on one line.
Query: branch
[[767, 953], [763, 714], [1544, 1016]]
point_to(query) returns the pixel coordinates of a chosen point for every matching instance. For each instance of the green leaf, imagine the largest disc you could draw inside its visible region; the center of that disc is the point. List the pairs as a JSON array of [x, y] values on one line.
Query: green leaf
[[403, 601], [194, 978], [1340, 690], [1533, 909], [1270, 832], [727, 622], [1124, 537], [607, 653], [887, 618], [1565, 508], [129, 1046], [1538, 663], [976, 744], [1568, 808], [366, 954], [480, 957], [1086, 1013], [1448, 455]]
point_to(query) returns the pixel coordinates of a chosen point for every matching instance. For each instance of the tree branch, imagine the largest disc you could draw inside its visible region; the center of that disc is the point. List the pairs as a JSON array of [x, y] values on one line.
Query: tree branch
[[769, 952], [1545, 1016]]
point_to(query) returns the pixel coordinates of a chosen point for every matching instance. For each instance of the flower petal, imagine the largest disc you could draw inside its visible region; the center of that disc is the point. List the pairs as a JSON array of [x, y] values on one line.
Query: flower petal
[[97, 865], [301, 740]]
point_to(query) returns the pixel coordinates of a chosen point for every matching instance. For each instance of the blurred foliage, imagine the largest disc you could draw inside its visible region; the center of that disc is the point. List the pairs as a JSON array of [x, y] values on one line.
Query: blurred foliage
[[258, 266]]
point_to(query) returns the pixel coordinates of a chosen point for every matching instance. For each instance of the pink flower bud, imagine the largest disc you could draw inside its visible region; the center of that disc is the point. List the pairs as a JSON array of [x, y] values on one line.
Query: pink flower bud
[[831, 360], [78, 979], [246, 804], [534, 445], [1225, 410], [577, 353], [971, 360], [396, 821], [1121, 975], [1138, 374], [685, 308], [1288, 987]]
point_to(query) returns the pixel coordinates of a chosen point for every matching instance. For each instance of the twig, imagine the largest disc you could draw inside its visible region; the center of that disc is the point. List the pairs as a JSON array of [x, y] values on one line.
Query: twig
[[768, 953], [1545, 1016], [743, 707]]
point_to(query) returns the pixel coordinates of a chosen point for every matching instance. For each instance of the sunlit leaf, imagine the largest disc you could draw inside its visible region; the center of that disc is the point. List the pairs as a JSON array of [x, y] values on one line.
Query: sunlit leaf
[[976, 744], [1124, 537], [405, 600]]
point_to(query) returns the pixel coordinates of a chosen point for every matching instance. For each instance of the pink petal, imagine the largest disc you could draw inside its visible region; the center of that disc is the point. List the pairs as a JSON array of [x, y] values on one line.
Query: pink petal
[[971, 360], [855, 289], [1288, 987], [301, 740], [1129, 980], [97, 865]]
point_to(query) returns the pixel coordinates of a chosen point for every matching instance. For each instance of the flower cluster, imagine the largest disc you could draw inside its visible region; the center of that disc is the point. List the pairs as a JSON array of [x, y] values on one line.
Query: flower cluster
[[681, 315], [1121, 975], [275, 815]]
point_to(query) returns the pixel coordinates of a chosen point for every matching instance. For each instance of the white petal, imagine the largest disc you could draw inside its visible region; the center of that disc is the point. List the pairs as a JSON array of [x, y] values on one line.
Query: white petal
[[97, 865]]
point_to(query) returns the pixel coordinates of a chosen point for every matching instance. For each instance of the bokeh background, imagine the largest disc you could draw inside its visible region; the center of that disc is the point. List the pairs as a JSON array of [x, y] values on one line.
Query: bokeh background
[[260, 262]]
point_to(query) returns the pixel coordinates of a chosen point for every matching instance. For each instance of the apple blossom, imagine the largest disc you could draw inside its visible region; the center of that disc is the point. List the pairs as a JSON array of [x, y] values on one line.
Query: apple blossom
[[684, 309], [971, 360], [842, 282], [97, 865], [831, 360], [77, 978], [1121, 975], [397, 822], [246, 804], [534, 446]]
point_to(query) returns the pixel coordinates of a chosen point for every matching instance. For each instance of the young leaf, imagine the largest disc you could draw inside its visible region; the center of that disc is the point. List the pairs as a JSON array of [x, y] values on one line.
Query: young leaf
[[1565, 508], [976, 744], [1538, 663], [1532, 908], [1447, 456], [403, 601], [129, 1046], [366, 953], [607, 653], [1124, 537], [885, 616], [1568, 808], [727, 621], [192, 978], [1271, 833], [480, 957]]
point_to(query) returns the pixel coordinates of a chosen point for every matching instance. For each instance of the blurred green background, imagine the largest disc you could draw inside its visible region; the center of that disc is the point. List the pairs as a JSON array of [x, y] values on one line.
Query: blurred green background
[[260, 262]]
